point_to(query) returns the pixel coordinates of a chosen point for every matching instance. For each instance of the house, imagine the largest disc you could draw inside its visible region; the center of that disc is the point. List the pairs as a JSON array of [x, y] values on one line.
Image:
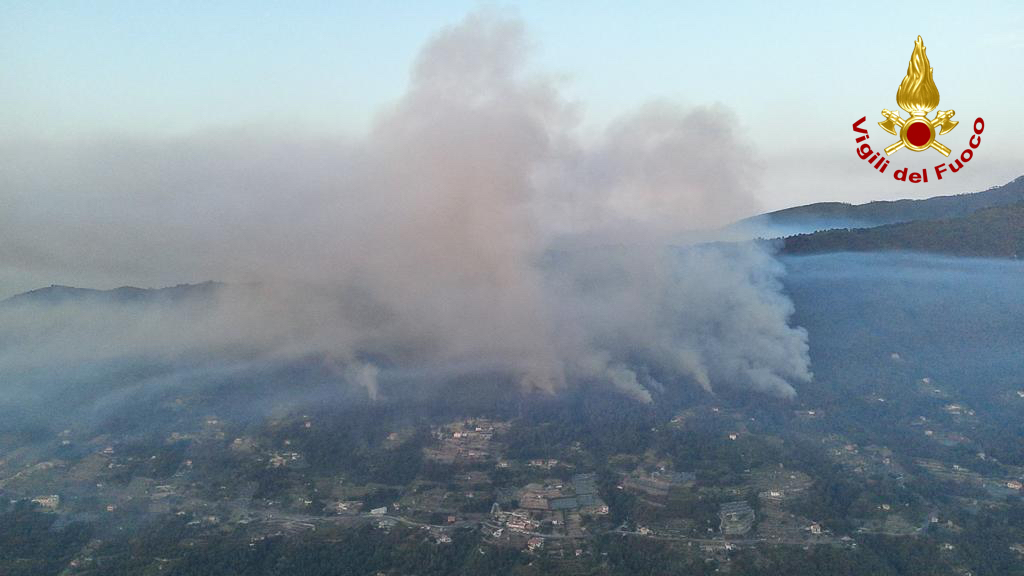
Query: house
[[379, 511], [347, 506], [49, 502], [518, 522], [546, 464], [535, 543]]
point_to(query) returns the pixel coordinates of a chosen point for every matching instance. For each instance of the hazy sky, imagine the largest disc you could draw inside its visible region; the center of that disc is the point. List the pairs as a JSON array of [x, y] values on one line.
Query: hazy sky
[[796, 75]]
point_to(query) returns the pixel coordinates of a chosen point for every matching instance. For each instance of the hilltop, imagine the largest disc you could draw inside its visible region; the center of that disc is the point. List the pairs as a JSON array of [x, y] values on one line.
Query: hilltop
[[826, 215], [991, 232], [56, 294]]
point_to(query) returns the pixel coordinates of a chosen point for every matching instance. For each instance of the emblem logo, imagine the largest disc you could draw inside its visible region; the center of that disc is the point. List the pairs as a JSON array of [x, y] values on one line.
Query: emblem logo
[[918, 96]]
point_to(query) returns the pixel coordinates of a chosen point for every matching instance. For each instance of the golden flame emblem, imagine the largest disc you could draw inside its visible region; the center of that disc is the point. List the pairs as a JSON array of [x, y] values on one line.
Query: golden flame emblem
[[918, 95]]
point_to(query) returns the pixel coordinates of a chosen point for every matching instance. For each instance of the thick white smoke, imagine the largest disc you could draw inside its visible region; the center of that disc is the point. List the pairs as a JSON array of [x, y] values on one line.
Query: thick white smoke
[[472, 226]]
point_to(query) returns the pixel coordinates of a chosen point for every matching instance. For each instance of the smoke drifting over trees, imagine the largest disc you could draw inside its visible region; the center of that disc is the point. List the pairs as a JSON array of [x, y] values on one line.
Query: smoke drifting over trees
[[472, 229]]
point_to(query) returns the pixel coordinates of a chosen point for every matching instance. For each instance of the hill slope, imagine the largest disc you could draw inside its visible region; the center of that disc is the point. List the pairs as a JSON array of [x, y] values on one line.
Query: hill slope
[[992, 232], [56, 294], [824, 215]]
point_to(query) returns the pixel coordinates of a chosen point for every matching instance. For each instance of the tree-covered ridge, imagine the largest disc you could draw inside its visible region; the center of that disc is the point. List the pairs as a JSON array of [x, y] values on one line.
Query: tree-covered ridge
[[895, 211], [992, 232]]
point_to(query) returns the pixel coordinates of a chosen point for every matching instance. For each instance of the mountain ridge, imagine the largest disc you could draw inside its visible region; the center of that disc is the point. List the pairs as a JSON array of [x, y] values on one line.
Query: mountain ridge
[[824, 215], [996, 232], [57, 293], [989, 223]]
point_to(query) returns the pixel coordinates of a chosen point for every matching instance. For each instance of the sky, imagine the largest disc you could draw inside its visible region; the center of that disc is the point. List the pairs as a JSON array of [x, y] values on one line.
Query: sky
[[796, 74]]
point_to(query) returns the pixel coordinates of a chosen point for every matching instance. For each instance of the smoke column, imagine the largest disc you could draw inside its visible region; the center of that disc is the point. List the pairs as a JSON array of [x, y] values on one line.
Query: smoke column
[[472, 228]]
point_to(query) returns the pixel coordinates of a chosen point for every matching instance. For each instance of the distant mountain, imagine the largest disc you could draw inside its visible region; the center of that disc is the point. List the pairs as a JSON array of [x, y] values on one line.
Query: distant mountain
[[991, 232], [828, 215], [56, 294]]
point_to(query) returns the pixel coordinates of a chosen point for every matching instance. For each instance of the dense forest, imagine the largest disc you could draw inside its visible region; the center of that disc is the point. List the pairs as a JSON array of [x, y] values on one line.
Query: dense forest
[[991, 232], [839, 214]]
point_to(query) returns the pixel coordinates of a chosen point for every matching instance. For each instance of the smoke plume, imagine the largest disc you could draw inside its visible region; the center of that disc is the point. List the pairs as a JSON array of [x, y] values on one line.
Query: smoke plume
[[472, 228]]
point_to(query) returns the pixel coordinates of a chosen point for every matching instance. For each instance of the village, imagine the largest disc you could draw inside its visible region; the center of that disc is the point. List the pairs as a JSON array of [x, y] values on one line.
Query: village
[[560, 508], [547, 506]]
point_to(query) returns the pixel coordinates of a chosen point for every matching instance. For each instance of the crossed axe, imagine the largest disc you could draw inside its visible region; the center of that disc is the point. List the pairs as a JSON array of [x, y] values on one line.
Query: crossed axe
[[942, 123]]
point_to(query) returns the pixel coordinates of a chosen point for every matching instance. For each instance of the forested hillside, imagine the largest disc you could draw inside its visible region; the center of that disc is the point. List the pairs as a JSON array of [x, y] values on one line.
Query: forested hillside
[[993, 232]]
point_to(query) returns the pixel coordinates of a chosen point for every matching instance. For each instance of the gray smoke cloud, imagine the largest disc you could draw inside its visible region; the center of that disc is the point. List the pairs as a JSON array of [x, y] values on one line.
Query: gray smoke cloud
[[472, 227]]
